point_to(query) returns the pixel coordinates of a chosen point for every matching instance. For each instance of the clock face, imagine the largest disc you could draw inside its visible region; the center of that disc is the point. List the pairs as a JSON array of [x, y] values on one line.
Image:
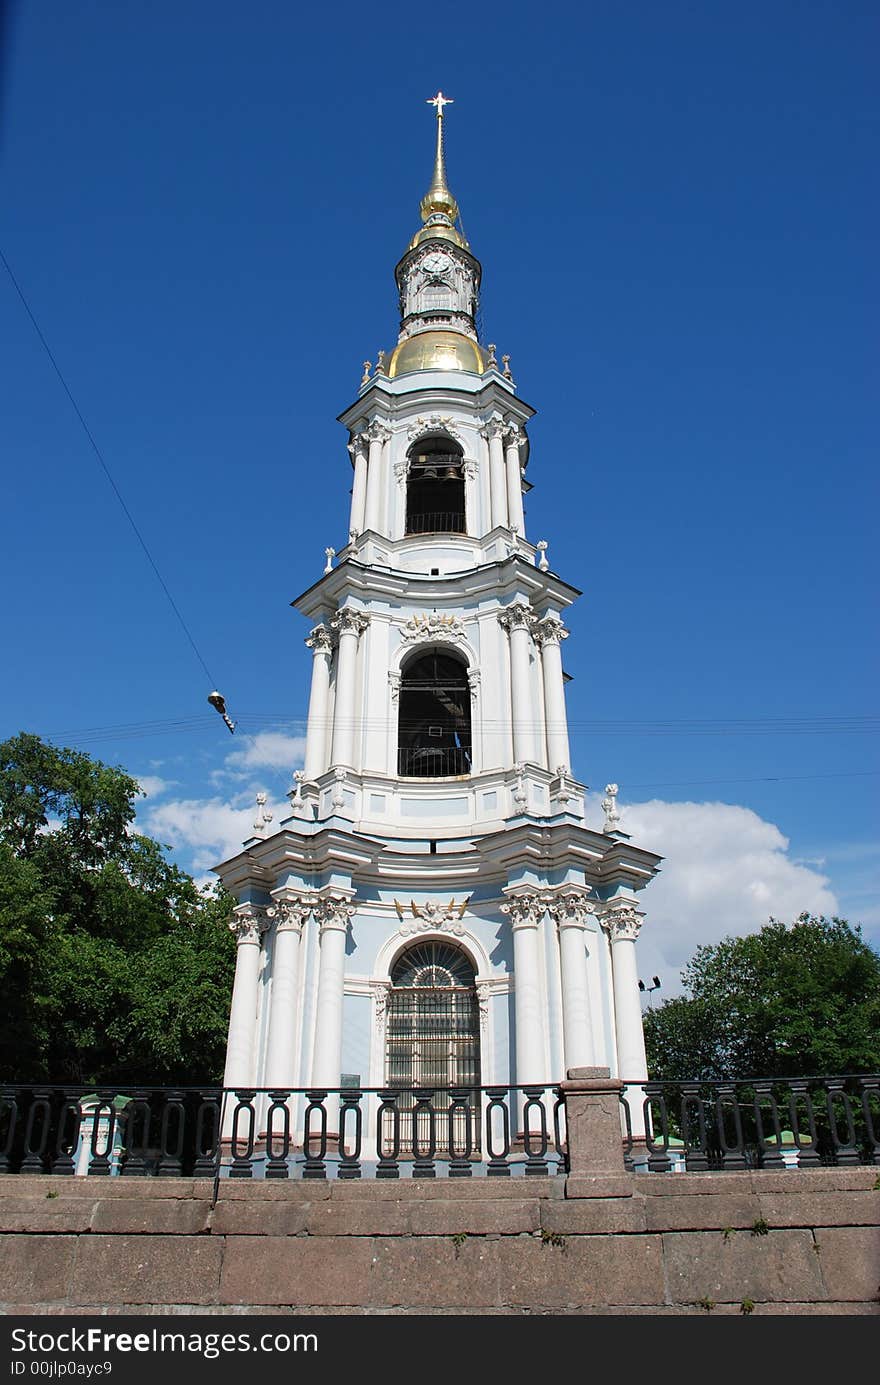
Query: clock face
[[436, 263]]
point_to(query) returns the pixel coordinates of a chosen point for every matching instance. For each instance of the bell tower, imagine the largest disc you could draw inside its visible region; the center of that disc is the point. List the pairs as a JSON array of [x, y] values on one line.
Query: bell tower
[[436, 837]]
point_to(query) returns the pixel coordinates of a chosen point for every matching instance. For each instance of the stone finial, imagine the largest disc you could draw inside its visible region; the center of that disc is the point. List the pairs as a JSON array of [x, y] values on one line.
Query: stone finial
[[329, 554], [368, 366], [491, 362], [609, 808], [380, 363], [262, 816], [505, 368], [542, 546]]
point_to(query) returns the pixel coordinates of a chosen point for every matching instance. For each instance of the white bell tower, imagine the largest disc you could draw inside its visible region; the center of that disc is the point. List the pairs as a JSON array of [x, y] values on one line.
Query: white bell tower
[[436, 844]]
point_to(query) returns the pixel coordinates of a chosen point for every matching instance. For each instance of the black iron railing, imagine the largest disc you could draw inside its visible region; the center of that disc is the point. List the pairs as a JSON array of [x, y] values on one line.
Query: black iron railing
[[437, 522], [347, 1133], [433, 762], [768, 1123]]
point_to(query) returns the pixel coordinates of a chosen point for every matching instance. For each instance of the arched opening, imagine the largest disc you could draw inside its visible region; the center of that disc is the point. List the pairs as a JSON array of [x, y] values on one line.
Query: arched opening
[[433, 1041], [434, 724], [435, 487]]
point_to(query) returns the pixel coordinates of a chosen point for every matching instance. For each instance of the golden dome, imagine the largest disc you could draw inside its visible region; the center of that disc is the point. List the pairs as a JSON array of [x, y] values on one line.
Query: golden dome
[[437, 351]]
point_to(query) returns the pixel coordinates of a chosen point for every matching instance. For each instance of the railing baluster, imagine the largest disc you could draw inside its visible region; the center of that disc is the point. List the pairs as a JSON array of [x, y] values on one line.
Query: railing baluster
[[696, 1153], [732, 1155], [39, 1116], [350, 1164], [103, 1130], [276, 1156], [242, 1157], [69, 1122], [769, 1146], [173, 1117], [388, 1166], [536, 1158], [560, 1140], [499, 1165], [871, 1087], [207, 1150], [460, 1117], [137, 1135], [315, 1166], [845, 1151], [658, 1151], [424, 1117], [9, 1113]]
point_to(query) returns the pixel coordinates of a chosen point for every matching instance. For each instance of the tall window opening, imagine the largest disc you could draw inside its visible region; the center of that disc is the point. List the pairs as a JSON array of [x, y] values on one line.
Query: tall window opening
[[435, 487], [434, 726], [433, 1041]]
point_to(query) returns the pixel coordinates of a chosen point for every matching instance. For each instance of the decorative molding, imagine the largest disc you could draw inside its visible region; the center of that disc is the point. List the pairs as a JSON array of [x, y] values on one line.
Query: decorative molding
[[435, 423], [569, 908], [519, 615], [469, 468], [550, 629], [333, 912], [514, 435], [381, 991], [320, 640], [349, 621], [358, 444], [520, 793], [291, 912], [377, 430], [432, 917], [622, 922], [401, 470], [339, 777], [394, 685], [474, 678], [431, 626], [493, 427], [248, 923], [524, 910]]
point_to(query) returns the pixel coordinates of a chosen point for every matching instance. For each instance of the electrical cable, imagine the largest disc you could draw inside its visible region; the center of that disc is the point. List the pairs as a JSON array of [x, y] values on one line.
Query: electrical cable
[[97, 451]]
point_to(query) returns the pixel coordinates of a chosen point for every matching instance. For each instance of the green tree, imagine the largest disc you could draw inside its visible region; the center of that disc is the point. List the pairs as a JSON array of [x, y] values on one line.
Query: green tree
[[793, 999], [114, 966]]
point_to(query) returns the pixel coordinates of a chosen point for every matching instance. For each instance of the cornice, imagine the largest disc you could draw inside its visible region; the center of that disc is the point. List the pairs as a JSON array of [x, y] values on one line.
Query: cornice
[[395, 399]]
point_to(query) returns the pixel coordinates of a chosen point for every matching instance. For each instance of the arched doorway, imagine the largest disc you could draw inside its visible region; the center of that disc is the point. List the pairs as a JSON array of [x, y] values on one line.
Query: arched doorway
[[433, 1038], [434, 722], [435, 487]]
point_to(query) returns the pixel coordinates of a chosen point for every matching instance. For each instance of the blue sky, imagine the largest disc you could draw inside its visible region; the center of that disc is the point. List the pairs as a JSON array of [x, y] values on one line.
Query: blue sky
[[673, 206]]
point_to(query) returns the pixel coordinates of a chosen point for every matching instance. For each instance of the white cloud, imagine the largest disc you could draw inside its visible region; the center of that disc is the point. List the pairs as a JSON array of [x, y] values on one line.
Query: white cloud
[[153, 786], [273, 750], [725, 871], [205, 831]]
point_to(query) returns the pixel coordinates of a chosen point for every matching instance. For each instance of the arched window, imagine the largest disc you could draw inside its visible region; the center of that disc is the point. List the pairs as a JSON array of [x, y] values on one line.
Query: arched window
[[434, 725], [435, 487], [433, 1040]]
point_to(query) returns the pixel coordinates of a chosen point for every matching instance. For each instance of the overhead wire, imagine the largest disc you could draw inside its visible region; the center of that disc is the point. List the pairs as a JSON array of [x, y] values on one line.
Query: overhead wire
[[105, 468]]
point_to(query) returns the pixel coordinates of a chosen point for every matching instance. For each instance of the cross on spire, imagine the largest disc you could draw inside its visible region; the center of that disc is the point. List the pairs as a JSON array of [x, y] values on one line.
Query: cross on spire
[[439, 101]]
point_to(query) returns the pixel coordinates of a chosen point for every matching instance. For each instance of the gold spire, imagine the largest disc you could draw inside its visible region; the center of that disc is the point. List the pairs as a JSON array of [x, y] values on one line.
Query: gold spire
[[438, 198]]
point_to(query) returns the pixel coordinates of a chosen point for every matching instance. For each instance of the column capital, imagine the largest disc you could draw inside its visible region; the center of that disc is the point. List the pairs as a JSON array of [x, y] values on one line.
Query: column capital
[[357, 444], [622, 922], [569, 908], [474, 678], [518, 616], [514, 435], [394, 679], [332, 913], [524, 910], [378, 431], [493, 428], [290, 912], [320, 640], [550, 629], [349, 621], [249, 922]]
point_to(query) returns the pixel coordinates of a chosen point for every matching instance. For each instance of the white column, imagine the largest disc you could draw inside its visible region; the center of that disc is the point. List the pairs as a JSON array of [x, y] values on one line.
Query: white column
[[248, 923], [515, 514], [289, 915], [571, 911], [332, 915], [348, 624], [518, 620], [378, 435], [358, 449], [524, 912], [320, 641], [623, 924], [493, 431], [550, 633]]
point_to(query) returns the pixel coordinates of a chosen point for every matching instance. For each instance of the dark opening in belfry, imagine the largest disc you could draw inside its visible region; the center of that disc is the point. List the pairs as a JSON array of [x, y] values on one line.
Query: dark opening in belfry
[[434, 727], [435, 487]]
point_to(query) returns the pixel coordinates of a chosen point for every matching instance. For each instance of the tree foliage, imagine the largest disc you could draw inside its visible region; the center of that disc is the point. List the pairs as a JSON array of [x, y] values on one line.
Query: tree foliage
[[114, 966], [796, 999]]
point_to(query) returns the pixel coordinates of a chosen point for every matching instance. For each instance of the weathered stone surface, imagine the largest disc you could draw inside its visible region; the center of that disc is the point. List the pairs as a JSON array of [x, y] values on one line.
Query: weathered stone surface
[[594, 1216], [35, 1269], [146, 1269], [434, 1273], [498, 1216], [296, 1270], [246, 1217], [821, 1209], [849, 1259], [443, 1189], [276, 1190], [777, 1267], [151, 1216], [585, 1270], [702, 1212], [36, 1185], [691, 1184], [35, 1214], [590, 1185], [831, 1180], [592, 1118]]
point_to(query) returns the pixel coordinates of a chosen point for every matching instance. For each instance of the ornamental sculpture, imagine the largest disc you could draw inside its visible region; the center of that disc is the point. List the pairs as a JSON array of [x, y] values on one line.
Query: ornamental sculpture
[[621, 922], [432, 917], [421, 627], [248, 923]]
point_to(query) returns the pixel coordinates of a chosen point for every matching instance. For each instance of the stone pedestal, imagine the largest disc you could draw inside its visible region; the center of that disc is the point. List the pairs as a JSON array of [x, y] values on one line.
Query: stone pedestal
[[595, 1147]]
